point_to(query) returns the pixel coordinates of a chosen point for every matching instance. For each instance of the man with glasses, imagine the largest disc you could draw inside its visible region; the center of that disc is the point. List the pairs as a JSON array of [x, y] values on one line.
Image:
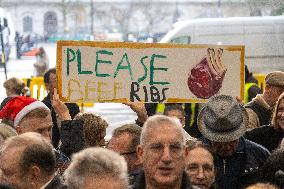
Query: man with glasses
[[124, 141], [223, 122], [163, 153]]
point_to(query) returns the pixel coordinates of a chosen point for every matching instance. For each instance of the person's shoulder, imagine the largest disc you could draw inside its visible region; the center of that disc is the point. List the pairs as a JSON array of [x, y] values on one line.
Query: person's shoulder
[[259, 134], [47, 100], [255, 148], [72, 105], [263, 130]]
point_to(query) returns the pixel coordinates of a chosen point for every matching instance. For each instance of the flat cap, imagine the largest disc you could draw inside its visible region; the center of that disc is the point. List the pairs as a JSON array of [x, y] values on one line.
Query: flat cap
[[275, 79]]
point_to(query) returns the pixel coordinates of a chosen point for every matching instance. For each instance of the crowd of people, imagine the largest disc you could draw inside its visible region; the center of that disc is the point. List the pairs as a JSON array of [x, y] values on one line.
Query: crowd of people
[[52, 145]]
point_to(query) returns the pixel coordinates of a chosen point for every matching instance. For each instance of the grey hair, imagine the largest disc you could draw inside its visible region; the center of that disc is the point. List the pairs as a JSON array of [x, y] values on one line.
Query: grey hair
[[97, 163], [158, 120], [135, 132]]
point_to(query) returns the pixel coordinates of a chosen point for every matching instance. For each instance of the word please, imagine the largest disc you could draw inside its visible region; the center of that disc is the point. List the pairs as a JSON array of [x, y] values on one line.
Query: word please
[[104, 57]]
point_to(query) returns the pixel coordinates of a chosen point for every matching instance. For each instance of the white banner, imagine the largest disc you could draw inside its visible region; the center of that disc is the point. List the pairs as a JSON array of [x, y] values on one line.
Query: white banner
[[112, 71]]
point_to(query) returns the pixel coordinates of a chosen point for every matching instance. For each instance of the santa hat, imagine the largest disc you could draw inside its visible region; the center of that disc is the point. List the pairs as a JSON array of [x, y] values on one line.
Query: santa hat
[[18, 107]]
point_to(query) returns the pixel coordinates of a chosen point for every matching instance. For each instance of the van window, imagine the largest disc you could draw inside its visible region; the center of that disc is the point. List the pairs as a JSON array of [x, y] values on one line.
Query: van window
[[181, 40]]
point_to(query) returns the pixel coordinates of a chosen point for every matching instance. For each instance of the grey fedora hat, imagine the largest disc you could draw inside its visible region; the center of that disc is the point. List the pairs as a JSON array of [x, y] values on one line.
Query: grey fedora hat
[[222, 119]]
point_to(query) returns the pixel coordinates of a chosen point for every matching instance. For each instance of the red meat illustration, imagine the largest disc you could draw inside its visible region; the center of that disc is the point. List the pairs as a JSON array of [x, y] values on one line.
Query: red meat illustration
[[206, 78]]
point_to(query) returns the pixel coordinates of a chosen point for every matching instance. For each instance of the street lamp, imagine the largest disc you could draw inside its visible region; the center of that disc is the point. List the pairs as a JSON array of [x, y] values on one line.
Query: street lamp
[[176, 13], [3, 58]]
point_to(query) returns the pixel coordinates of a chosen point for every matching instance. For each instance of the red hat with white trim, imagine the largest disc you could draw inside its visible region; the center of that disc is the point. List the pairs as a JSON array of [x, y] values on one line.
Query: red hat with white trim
[[18, 107]]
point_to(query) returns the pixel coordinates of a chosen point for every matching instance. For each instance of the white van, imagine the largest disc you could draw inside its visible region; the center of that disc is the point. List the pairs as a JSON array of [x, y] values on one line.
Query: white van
[[263, 38], [8, 33]]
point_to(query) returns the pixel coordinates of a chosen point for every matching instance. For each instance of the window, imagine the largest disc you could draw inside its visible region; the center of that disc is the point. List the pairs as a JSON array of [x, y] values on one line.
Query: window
[[181, 40], [50, 23], [27, 24]]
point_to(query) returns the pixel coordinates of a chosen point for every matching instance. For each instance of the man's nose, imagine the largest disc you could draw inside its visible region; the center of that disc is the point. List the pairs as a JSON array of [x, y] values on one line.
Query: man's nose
[[226, 148], [200, 173], [166, 156]]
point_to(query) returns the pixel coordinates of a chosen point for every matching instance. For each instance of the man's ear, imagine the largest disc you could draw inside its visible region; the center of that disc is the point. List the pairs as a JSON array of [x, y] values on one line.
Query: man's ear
[[137, 161], [139, 153], [36, 175], [35, 172], [267, 88]]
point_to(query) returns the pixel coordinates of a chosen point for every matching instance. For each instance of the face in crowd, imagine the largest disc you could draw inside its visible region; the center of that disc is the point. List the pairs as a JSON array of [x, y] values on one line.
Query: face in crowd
[[52, 83], [163, 153], [225, 149], [274, 93], [121, 144], [175, 111], [177, 114], [200, 167], [39, 121]]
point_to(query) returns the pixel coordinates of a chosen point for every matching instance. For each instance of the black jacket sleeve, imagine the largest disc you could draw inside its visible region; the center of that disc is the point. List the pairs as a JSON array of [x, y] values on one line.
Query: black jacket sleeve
[[73, 109]]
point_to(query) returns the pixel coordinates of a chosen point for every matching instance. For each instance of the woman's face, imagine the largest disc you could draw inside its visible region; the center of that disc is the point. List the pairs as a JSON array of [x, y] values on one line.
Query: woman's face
[[280, 115], [177, 114]]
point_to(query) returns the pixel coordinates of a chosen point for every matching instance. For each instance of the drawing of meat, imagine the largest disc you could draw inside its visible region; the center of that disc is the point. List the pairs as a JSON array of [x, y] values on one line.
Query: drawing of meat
[[206, 78]]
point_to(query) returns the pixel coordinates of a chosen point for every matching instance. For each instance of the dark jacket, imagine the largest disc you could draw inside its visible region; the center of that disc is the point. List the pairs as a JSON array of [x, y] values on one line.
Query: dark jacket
[[73, 111], [141, 184], [133, 176], [56, 183], [242, 168], [267, 136], [72, 141], [72, 136]]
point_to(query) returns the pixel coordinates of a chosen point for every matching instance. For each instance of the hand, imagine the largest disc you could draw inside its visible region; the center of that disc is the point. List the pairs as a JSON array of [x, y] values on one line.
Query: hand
[[59, 107], [139, 109]]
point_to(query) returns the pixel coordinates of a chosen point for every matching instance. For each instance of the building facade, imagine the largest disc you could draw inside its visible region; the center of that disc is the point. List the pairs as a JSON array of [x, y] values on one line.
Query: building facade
[[84, 17]]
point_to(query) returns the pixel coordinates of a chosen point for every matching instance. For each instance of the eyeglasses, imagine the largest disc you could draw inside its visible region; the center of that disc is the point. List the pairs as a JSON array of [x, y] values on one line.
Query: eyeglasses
[[175, 148], [128, 153], [195, 168]]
